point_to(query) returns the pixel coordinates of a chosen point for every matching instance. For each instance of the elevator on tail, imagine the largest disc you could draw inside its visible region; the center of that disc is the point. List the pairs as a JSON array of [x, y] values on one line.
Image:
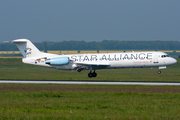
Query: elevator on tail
[[92, 62]]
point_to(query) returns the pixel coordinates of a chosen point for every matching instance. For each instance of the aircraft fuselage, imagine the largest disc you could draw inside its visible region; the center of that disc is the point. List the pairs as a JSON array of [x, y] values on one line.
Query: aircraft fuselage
[[112, 60]]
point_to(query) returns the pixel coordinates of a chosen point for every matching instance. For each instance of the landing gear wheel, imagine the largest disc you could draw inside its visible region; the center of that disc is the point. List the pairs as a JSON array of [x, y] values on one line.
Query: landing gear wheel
[[159, 72], [90, 75], [94, 74]]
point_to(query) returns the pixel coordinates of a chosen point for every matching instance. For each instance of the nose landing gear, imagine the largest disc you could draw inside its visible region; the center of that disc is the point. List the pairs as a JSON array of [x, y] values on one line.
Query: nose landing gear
[[94, 74], [159, 72]]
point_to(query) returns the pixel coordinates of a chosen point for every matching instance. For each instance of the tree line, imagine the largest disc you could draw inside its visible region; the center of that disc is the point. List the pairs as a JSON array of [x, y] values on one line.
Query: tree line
[[103, 45]]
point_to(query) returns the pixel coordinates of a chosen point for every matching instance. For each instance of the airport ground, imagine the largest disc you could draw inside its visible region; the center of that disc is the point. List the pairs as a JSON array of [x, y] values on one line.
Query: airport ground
[[52, 101], [92, 102]]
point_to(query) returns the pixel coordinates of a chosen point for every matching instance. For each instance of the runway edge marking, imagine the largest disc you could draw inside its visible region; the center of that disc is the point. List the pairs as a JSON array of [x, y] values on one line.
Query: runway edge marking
[[90, 83]]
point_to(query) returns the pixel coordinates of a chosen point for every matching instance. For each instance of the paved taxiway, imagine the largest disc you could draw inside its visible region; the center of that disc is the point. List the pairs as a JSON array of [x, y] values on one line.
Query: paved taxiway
[[88, 82]]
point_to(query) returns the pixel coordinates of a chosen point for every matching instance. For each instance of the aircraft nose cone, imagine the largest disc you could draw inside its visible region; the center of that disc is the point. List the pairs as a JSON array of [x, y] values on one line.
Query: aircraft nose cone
[[174, 61]]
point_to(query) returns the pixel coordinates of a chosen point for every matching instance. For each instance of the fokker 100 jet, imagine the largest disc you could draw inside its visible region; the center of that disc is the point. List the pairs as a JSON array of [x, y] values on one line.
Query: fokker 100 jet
[[92, 62]]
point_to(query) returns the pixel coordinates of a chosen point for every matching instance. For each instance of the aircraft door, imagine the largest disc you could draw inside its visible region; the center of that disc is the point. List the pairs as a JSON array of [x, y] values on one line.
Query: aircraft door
[[155, 59], [163, 59]]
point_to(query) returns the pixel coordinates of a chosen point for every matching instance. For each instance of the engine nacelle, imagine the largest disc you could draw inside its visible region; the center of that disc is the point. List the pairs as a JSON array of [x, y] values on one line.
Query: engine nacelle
[[58, 61]]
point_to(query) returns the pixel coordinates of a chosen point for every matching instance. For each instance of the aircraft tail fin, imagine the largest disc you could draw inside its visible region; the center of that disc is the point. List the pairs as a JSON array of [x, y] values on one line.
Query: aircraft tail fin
[[27, 48]]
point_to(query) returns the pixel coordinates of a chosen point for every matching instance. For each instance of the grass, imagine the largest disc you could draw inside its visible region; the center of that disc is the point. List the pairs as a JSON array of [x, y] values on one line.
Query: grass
[[87, 105], [13, 68]]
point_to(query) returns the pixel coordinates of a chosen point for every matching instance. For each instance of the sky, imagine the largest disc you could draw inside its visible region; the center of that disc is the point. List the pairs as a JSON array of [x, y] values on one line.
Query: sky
[[89, 20]]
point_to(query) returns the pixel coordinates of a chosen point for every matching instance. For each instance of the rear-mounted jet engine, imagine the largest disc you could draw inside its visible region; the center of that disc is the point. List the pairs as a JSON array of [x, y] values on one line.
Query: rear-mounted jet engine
[[58, 61]]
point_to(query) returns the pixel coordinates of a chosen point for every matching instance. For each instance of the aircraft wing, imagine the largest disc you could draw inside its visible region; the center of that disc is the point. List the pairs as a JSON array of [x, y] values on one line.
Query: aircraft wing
[[95, 65]]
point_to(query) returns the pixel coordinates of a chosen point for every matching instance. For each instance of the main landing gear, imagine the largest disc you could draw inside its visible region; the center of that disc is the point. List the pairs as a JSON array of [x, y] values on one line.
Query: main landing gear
[[94, 74]]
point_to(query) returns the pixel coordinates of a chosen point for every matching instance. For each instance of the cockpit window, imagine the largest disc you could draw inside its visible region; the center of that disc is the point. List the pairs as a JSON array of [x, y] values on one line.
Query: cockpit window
[[163, 56]]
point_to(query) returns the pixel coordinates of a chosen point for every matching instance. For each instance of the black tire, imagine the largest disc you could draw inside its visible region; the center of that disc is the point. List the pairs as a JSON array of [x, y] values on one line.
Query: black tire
[[159, 72], [94, 74], [90, 75]]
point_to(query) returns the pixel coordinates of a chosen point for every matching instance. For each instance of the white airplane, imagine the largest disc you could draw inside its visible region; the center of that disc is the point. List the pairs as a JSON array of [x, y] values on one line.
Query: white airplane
[[92, 62]]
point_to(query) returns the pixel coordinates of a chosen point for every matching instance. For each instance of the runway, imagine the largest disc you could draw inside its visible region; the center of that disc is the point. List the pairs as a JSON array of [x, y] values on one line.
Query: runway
[[89, 82]]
